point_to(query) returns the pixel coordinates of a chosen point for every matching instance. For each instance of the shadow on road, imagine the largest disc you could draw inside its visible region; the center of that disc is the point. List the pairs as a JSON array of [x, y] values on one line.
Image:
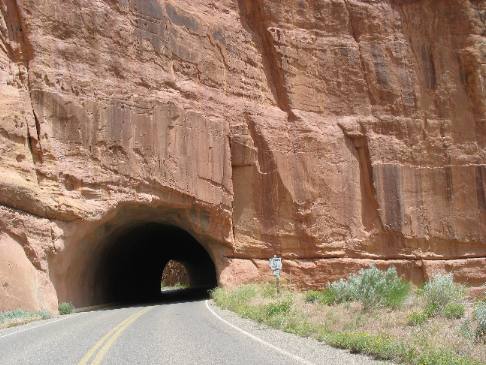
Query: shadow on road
[[165, 297], [180, 295]]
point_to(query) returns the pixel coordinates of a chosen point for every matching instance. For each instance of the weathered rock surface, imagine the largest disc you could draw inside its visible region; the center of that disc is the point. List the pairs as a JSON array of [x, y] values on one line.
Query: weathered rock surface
[[175, 274], [337, 133]]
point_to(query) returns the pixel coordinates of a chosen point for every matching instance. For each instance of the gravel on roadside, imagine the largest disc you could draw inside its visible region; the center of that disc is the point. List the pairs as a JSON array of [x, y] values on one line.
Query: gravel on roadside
[[307, 348]]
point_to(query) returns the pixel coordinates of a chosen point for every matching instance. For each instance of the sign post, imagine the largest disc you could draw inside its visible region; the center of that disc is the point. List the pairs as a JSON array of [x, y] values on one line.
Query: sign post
[[275, 264]]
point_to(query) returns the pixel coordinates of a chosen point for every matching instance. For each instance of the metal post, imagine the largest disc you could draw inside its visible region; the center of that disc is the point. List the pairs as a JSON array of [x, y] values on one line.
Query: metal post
[[277, 282]]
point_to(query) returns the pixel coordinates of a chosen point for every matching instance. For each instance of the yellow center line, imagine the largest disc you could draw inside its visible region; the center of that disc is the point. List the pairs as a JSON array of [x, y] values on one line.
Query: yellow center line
[[109, 339], [102, 352], [84, 360]]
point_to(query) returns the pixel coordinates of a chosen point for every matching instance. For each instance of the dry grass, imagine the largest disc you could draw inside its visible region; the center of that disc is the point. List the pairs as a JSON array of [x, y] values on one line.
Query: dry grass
[[436, 341], [437, 332]]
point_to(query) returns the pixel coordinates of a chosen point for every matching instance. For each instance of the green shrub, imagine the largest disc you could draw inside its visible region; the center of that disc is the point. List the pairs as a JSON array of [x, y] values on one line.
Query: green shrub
[[440, 291], [278, 308], [269, 290], [255, 313], [280, 313], [385, 348], [299, 325], [236, 298], [327, 297], [10, 315], [341, 291], [380, 347], [466, 330], [441, 357], [450, 311], [312, 296], [454, 310], [21, 316], [65, 308], [44, 314], [431, 310], [372, 287], [480, 316], [417, 318]]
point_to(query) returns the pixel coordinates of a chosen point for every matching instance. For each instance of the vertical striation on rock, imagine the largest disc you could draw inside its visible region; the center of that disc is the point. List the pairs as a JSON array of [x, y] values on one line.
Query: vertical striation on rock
[[337, 133]]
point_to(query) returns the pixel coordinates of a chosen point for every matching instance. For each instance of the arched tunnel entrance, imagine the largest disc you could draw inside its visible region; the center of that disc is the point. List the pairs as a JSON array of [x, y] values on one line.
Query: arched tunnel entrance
[[131, 263]]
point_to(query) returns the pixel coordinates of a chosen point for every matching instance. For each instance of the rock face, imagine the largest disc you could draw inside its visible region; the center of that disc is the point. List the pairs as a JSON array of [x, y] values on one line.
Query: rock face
[[174, 274], [336, 133]]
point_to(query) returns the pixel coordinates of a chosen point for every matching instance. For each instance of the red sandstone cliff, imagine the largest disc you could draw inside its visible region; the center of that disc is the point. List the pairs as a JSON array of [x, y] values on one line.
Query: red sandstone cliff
[[336, 133]]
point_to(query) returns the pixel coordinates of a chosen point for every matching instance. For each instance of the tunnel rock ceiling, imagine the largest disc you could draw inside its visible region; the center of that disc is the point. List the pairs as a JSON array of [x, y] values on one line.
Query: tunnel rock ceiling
[[336, 133]]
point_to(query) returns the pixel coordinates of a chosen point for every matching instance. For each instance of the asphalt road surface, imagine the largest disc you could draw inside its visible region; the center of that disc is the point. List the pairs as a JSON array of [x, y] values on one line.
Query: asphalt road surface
[[168, 332]]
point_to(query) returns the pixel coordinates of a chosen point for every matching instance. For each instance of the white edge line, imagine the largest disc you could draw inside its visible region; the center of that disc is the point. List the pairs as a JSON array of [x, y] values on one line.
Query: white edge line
[[255, 338], [41, 325]]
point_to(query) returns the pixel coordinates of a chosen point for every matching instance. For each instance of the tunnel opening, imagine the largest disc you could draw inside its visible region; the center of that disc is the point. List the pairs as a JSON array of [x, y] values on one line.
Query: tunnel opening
[[131, 263], [174, 276]]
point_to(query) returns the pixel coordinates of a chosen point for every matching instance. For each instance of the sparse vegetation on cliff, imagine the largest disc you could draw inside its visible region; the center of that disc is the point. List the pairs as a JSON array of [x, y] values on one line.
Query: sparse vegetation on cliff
[[433, 325], [19, 316]]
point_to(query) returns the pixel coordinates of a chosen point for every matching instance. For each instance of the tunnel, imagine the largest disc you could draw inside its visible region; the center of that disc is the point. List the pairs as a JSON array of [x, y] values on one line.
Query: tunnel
[[127, 265]]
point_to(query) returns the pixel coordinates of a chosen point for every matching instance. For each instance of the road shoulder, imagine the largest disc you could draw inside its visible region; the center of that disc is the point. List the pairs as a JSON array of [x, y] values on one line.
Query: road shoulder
[[308, 349]]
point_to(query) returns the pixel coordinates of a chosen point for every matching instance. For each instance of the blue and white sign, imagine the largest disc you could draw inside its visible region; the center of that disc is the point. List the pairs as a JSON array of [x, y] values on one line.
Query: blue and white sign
[[275, 264]]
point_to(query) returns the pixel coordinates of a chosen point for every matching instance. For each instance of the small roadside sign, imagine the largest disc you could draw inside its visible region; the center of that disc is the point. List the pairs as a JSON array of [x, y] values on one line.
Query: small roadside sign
[[275, 264]]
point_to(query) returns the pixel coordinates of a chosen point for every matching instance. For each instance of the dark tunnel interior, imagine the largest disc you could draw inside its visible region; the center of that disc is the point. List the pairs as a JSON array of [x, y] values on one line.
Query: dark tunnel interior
[[131, 263]]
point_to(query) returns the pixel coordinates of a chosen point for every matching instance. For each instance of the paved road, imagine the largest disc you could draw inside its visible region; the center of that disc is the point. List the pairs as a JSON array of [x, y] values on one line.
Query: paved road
[[190, 332]]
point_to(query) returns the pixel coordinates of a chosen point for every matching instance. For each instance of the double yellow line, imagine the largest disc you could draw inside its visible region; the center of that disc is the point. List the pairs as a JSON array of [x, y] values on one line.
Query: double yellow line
[[100, 348]]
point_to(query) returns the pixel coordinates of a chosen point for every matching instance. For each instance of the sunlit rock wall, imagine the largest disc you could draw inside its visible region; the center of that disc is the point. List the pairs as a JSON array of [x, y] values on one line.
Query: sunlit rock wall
[[336, 133]]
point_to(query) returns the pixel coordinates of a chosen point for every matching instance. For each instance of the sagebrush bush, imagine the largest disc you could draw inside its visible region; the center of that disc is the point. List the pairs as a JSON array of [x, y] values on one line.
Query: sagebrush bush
[[440, 291], [17, 313], [340, 291], [65, 308], [480, 316], [21, 316], [372, 287]]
